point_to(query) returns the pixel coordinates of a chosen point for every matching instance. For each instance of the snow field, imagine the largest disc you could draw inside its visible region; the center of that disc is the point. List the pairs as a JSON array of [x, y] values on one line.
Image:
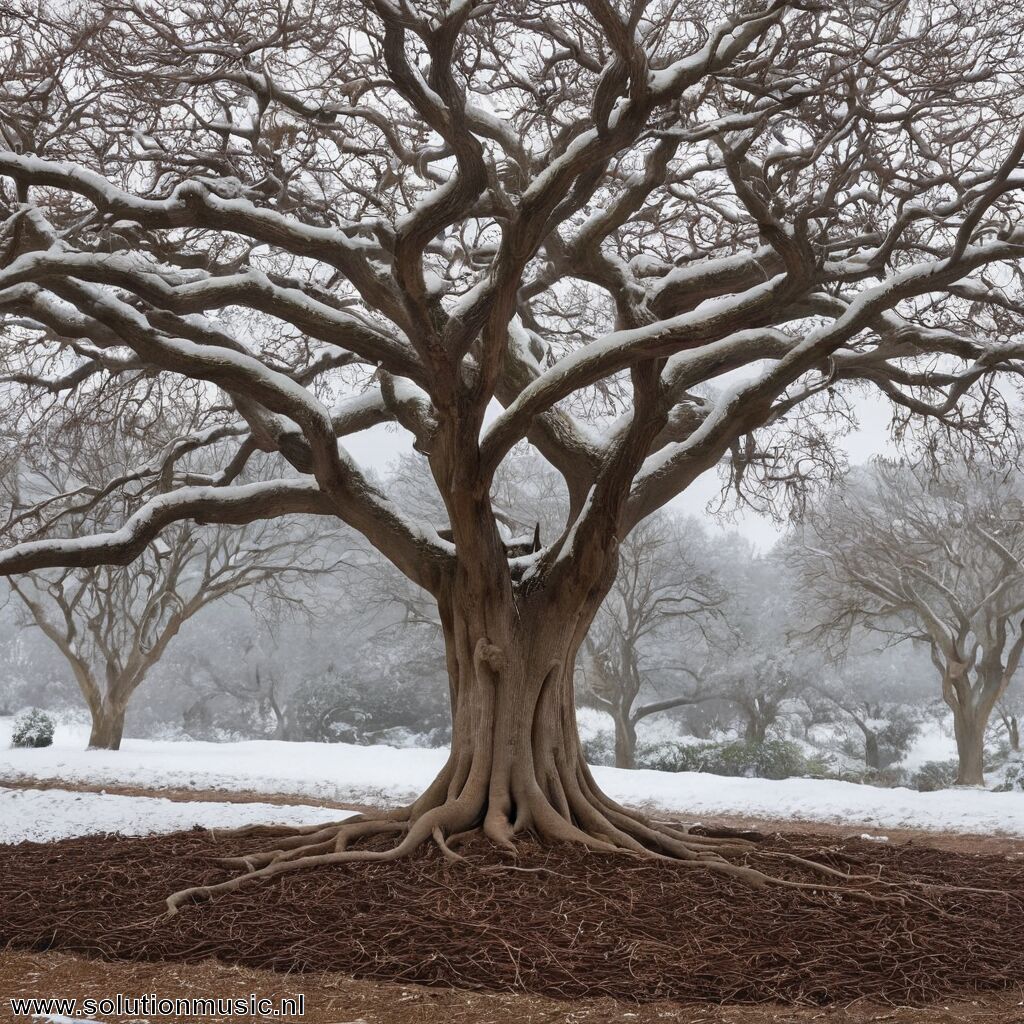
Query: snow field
[[382, 775]]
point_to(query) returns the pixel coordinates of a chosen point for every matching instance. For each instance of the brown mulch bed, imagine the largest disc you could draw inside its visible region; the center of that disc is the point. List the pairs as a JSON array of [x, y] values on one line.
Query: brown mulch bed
[[573, 925]]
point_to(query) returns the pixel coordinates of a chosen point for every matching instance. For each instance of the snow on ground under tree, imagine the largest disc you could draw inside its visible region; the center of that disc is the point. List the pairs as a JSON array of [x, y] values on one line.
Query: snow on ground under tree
[[44, 815], [388, 775]]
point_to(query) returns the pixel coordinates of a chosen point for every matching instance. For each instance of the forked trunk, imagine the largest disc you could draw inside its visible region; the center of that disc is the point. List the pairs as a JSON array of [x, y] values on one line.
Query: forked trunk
[[107, 727]]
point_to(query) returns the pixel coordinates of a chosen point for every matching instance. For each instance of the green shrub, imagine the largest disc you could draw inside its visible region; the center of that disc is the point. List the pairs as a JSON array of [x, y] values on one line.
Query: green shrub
[[884, 778], [32, 728], [675, 757], [933, 775], [773, 759]]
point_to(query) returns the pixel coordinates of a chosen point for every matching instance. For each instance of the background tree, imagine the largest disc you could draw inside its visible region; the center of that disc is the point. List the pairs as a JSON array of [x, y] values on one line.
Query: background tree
[[934, 556], [112, 625], [649, 629], [1010, 714], [655, 238], [878, 696], [759, 667]]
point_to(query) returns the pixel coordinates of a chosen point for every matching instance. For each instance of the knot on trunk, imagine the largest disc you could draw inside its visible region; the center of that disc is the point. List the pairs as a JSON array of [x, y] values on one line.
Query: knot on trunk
[[489, 657]]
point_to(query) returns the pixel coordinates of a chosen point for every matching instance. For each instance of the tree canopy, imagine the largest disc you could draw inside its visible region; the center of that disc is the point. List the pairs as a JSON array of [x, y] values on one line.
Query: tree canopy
[[642, 238]]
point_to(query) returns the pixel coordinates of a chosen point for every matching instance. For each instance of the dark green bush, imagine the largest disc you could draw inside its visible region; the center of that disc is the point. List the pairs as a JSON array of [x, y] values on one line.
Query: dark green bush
[[773, 759], [1013, 778], [599, 749], [884, 778], [32, 728]]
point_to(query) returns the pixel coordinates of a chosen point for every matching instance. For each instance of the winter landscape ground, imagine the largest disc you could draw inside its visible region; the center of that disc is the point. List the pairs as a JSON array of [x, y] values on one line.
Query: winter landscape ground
[[342, 773], [150, 788]]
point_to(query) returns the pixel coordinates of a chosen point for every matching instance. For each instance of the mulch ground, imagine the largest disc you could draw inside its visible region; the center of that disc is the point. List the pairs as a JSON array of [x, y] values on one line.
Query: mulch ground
[[573, 925]]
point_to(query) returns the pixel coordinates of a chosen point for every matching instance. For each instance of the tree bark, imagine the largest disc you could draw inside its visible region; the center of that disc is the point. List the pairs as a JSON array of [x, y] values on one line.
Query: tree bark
[[969, 730], [107, 727], [872, 757], [625, 742], [516, 761]]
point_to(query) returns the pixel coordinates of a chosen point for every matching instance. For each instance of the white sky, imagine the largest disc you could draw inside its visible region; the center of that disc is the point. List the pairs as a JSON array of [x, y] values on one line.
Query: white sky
[[378, 447]]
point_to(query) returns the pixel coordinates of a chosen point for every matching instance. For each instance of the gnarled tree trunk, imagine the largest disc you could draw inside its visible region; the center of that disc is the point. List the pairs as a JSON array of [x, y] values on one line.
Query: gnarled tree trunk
[[516, 761], [516, 764]]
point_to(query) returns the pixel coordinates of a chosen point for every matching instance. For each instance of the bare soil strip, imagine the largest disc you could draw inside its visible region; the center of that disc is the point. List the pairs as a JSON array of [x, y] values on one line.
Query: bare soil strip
[[180, 795], [571, 925], [332, 998]]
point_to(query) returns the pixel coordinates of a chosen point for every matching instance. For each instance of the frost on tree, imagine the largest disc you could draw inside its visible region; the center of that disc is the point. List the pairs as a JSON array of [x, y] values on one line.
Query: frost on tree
[[641, 238]]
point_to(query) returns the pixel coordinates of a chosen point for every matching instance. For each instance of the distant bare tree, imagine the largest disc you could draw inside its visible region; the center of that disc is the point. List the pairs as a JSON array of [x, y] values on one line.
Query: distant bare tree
[[875, 698], [936, 557], [642, 238], [649, 626], [112, 625], [1009, 717], [755, 664]]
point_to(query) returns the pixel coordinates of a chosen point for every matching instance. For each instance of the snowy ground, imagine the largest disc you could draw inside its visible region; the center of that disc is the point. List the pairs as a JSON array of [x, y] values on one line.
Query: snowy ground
[[44, 815], [386, 775]]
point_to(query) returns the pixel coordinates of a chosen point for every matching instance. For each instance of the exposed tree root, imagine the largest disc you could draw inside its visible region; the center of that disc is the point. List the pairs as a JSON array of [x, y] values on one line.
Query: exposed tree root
[[576, 812]]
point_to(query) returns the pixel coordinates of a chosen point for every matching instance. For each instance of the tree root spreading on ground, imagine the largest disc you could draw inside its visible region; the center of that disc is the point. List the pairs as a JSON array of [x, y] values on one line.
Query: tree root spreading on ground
[[593, 821]]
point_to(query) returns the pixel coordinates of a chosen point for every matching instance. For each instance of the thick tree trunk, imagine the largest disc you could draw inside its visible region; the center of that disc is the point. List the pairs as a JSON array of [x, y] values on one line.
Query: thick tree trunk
[[516, 761], [516, 765], [969, 730], [107, 727]]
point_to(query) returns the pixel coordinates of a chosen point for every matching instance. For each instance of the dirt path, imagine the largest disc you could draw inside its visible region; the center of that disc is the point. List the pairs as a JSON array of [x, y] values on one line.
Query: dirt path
[[956, 841], [336, 999], [178, 795]]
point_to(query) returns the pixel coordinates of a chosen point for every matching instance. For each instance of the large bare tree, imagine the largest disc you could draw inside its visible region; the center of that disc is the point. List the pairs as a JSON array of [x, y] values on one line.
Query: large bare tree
[[636, 236], [932, 557]]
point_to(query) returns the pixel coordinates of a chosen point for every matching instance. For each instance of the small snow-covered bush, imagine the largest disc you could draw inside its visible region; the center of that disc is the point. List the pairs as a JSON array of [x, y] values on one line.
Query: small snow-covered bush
[[933, 775], [32, 728], [885, 778], [1013, 778], [599, 748], [676, 757]]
